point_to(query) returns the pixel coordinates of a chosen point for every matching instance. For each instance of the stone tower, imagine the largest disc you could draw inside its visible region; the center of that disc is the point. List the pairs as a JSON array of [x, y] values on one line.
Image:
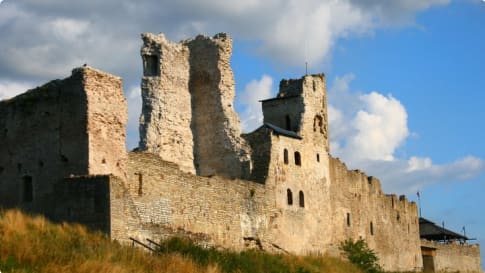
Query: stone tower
[[188, 116], [300, 107], [65, 128]]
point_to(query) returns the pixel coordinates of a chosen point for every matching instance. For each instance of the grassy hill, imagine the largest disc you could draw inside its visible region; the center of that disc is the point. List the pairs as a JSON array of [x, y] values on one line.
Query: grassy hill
[[33, 244]]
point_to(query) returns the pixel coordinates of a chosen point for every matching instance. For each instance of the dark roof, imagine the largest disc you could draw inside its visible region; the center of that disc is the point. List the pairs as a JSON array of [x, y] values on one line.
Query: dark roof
[[281, 98], [281, 131], [430, 231]]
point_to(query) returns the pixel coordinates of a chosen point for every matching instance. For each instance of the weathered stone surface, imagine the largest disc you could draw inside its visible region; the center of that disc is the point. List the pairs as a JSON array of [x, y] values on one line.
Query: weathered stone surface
[[74, 126], [188, 115], [454, 257], [165, 122], [235, 214], [63, 154], [107, 114]]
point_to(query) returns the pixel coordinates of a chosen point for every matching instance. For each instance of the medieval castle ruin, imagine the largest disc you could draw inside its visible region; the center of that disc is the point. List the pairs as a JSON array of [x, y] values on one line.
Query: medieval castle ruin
[[194, 174]]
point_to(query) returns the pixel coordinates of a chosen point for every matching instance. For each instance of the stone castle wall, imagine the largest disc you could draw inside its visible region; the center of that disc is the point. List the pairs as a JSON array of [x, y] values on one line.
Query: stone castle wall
[[107, 114], [74, 126], [188, 115], [166, 117], [453, 256], [277, 188], [84, 199], [358, 203], [160, 200]]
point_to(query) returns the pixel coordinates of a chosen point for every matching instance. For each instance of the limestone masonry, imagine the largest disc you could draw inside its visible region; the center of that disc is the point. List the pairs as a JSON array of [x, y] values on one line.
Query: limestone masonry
[[194, 174]]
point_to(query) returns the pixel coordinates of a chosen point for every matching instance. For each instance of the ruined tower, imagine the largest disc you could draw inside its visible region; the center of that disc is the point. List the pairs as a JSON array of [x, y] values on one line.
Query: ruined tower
[[188, 115], [300, 107], [65, 128]]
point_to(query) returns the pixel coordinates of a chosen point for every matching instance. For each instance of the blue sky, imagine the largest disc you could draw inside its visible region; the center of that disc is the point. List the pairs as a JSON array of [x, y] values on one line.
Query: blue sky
[[405, 78]]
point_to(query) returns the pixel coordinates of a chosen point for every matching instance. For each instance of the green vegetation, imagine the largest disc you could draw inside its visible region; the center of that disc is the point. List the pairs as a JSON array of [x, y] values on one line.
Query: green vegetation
[[361, 255], [33, 244], [250, 261]]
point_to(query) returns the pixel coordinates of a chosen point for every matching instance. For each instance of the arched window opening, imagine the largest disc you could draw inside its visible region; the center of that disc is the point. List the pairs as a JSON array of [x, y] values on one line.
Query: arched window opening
[[288, 122], [318, 157], [318, 124], [348, 219], [289, 196], [285, 156], [297, 159], [28, 190], [301, 198], [371, 228]]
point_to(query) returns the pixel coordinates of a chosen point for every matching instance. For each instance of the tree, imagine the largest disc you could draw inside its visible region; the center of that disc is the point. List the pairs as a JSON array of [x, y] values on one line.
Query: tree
[[361, 255]]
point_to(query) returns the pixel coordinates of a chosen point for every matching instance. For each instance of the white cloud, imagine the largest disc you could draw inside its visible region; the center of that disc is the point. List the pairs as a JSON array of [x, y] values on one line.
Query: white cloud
[[381, 127], [409, 176], [254, 91], [10, 89], [133, 99], [367, 129], [44, 39], [372, 124]]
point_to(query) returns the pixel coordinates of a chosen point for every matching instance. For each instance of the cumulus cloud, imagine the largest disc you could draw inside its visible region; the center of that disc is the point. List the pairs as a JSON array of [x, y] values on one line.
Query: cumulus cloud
[[367, 128], [44, 39], [413, 174], [254, 91], [381, 127], [10, 89]]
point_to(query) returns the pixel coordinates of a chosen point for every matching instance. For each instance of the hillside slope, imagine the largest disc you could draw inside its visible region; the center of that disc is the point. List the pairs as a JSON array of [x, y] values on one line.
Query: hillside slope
[[33, 244]]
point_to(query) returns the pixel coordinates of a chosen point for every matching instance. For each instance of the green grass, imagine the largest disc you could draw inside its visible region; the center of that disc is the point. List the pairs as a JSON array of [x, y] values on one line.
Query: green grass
[[250, 261]]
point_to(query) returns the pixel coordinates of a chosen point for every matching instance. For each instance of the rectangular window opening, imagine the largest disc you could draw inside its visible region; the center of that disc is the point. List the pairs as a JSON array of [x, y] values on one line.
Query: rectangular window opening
[[151, 65], [28, 189]]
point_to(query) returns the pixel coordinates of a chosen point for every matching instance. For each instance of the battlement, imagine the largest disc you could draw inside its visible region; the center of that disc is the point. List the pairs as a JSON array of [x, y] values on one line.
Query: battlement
[[296, 87]]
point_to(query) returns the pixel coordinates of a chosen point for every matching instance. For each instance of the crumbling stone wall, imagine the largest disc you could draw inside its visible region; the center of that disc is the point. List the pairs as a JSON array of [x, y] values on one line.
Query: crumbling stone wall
[[328, 202], [74, 126], [454, 257], [63, 154], [300, 106], [387, 223], [84, 200], [160, 200], [188, 116], [107, 114], [166, 117]]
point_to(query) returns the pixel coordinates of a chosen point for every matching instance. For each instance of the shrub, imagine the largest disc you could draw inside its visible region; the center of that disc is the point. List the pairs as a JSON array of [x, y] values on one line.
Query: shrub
[[361, 255]]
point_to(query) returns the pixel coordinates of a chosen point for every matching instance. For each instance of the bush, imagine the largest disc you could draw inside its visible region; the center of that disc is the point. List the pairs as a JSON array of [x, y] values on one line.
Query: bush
[[361, 255], [254, 261]]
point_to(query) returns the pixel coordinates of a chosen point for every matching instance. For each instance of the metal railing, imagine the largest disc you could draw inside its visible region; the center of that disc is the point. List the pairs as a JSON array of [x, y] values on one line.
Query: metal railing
[[135, 241]]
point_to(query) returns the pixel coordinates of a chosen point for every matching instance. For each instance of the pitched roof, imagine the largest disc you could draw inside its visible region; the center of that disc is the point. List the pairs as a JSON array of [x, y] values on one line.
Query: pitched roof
[[281, 98], [430, 231], [281, 131]]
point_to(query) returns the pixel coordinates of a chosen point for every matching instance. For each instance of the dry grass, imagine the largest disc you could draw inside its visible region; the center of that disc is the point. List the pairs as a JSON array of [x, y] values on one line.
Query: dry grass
[[33, 244]]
